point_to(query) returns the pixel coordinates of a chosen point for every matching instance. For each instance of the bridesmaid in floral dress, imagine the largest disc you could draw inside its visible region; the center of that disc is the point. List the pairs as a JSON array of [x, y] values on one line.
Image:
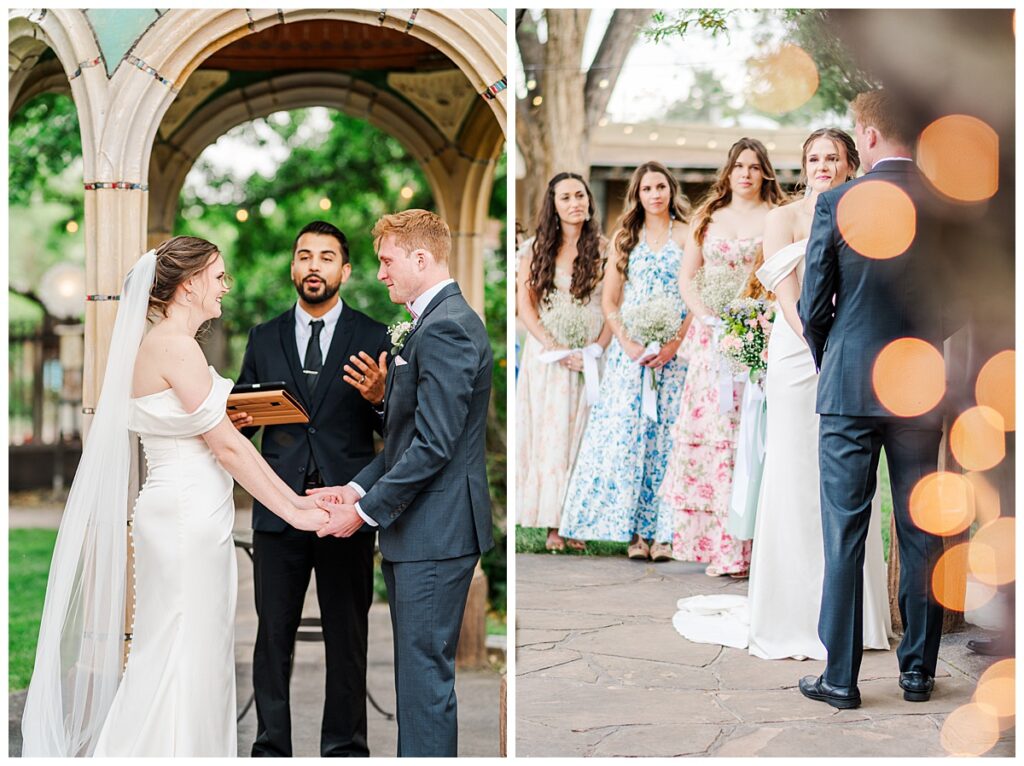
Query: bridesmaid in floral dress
[[613, 492], [726, 236], [566, 258]]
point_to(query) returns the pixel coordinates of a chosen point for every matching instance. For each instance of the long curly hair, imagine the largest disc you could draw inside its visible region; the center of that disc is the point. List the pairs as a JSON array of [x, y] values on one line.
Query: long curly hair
[[587, 266], [632, 221], [837, 137], [720, 194]]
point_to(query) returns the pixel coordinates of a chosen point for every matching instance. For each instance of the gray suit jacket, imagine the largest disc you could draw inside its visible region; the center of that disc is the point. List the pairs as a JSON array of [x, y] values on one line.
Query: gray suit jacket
[[428, 489], [851, 306]]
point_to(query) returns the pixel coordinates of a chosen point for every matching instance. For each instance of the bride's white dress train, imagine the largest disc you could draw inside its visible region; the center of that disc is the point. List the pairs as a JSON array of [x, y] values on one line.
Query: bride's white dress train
[[177, 696], [779, 617]]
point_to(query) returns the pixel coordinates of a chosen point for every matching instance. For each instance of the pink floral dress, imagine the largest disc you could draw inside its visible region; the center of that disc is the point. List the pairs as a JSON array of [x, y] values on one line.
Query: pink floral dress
[[698, 480]]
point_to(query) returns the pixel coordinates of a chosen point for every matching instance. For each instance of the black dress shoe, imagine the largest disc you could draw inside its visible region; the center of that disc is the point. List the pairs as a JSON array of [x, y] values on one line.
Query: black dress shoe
[[991, 647], [917, 685], [817, 688]]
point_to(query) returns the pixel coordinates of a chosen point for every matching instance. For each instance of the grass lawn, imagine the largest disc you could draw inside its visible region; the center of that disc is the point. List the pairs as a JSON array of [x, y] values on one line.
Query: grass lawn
[[531, 540], [29, 564]]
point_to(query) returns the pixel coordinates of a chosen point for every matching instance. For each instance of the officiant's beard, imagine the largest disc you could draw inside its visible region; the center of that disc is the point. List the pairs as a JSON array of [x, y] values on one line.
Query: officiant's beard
[[328, 291]]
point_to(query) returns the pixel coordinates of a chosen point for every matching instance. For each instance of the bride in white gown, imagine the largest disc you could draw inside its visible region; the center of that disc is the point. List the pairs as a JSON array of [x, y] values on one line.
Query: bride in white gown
[[177, 694], [779, 617]]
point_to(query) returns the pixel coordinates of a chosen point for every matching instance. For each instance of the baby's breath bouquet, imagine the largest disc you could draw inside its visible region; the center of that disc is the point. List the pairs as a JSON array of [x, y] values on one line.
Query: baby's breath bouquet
[[571, 322], [719, 286], [653, 322], [747, 324]]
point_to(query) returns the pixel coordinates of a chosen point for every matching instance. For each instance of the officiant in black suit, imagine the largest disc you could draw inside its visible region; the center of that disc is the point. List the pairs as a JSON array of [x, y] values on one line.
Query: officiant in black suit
[[332, 358]]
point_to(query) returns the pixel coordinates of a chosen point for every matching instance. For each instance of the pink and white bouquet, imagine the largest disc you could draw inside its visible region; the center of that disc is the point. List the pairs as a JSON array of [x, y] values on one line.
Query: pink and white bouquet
[[746, 326]]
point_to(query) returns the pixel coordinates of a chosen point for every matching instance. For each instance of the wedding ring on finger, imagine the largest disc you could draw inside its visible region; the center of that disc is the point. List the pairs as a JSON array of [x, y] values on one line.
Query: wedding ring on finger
[[362, 379]]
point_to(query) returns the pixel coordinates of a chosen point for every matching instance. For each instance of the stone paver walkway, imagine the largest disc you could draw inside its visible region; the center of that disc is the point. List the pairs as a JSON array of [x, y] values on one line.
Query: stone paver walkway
[[600, 671]]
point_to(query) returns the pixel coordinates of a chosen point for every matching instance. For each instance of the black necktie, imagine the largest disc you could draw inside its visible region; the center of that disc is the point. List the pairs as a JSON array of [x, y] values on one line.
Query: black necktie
[[313, 362]]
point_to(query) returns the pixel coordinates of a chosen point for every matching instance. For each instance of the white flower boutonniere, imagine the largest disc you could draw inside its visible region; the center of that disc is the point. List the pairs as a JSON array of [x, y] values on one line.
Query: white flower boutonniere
[[399, 332]]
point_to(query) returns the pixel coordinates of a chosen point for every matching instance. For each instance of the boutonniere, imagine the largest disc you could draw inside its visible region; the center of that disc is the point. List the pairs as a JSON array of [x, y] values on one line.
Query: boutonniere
[[399, 333]]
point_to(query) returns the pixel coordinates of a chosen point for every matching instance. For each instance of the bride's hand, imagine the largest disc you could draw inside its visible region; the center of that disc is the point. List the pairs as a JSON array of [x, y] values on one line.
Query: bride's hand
[[305, 502], [308, 520]]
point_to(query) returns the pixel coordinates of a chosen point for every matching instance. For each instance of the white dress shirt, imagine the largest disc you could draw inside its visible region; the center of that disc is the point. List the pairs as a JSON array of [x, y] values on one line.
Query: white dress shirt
[[416, 308], [303, 332]]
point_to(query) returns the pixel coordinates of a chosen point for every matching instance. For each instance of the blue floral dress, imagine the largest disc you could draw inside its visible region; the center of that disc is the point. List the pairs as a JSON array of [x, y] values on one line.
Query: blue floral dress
[[613, 491]]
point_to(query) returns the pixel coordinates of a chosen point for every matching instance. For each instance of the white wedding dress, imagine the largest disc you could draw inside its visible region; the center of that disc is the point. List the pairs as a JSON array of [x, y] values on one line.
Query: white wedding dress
[[177, 695], [779, 617]]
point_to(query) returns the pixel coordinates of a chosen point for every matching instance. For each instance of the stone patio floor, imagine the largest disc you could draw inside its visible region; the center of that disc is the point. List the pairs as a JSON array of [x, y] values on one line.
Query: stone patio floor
[[600, 671]]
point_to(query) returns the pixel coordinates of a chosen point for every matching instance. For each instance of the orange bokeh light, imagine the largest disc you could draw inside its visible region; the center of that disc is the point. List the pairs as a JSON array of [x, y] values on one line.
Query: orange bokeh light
[[997, 690], [941, 504], [977, 439], [782, 81], [991, 554], [949, 582], [960, 155], [909, 377], [877, 219], [970, 730], [986, 497], [995, 386]]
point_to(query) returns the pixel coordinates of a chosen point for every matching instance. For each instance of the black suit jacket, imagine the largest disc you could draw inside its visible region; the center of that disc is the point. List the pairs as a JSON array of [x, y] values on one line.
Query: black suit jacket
[[341, 423], [428, 489], [852, 306]]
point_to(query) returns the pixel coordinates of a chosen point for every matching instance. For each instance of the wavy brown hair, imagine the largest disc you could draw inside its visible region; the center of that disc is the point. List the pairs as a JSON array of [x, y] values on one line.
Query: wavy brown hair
[[837, 137], [720, 194], [177, 260], [632, 221], [587, 266]]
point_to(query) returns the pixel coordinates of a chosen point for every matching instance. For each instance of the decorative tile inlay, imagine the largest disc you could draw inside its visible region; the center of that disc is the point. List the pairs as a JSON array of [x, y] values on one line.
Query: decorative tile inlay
[[492, 91], [140, 64], [86, 65], [445, 97], [119, 185], [412, 20]]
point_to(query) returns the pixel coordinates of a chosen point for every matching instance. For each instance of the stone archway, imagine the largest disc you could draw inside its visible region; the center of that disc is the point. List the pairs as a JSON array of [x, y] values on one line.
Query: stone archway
[[120, 116]]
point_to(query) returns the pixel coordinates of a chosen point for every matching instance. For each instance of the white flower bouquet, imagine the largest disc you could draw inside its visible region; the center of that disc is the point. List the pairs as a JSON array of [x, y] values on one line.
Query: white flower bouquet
[[719, 286], [653, 322], [571, 323]]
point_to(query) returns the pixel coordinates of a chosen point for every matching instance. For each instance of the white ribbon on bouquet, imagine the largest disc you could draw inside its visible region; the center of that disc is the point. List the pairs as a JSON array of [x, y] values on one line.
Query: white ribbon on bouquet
[[649, 384], [591, 379], [726, 377]]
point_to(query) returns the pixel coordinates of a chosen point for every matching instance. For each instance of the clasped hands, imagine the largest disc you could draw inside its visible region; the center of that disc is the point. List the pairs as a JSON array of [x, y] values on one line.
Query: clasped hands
[[339, 503]]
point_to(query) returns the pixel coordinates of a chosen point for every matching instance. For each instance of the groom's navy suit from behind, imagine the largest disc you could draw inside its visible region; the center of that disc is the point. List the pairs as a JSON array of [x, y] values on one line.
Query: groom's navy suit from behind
[[428, 493], [875, 302]]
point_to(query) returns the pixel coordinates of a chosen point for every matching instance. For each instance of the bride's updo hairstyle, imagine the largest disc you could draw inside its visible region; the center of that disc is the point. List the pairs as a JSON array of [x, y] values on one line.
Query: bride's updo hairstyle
[[177, 260]]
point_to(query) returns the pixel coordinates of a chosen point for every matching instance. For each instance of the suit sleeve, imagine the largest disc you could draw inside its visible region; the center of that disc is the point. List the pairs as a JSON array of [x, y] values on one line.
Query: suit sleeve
[[384, 346], [816, 305], [448, 363], [248, 374]]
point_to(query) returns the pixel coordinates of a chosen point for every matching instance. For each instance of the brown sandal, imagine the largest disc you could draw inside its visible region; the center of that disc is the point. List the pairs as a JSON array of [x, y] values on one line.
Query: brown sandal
[[661, 552], [639, 550], [574, 544]]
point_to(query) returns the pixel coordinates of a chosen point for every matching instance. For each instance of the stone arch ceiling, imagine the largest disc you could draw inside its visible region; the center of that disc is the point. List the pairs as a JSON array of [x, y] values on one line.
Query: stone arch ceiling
[[408, 67]]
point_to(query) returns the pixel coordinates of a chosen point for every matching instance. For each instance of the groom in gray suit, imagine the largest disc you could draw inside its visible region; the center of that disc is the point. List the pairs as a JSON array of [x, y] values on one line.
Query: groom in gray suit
[[427, 491]]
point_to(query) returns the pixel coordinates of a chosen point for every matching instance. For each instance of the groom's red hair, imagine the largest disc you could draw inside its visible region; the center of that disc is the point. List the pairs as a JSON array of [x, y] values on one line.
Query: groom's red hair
[[415, 229], [879, 110]]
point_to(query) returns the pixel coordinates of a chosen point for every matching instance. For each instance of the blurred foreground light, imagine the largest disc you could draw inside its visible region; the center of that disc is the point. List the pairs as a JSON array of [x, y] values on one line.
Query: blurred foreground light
[[782, 81], [995, 386], [653, 136], [712, 144], [997, 691], [62, 290], [977, 439], [72, 227], [960, 155], [877, 219], [602, 122], [970, 730], [909, 377], [628, 129], [325, 204], [985, 496], [603, 84], [531, 84], [538, 100], [990, 553], [681, 141], [949, 582], [242, 215], [406, 192], [268, 206], [941, 504]]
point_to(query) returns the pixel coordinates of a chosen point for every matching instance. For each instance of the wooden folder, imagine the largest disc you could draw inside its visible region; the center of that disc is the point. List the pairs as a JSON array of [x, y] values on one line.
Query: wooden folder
[[269, 404]]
